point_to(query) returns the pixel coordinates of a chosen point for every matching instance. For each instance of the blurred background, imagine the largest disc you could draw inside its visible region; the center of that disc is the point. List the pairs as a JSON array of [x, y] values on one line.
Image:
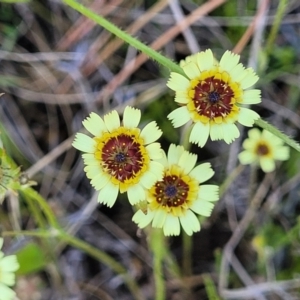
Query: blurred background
[[57, 66]]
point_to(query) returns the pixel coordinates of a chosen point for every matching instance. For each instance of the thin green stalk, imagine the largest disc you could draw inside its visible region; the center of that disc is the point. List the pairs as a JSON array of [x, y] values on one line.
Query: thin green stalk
[[186, 240], [157, 244], [172, 66], [40, 234], [171, 265], [42, 204], [187, 244], [265, 125], [210, 288], [164, 61], [174, 272], [185, 137], [35, 211], [107, 260], [276, 23], [88, 249], [43, 216]]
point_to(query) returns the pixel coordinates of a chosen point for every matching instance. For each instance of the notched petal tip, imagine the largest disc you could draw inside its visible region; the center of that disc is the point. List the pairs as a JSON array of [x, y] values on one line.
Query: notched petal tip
[[112, 120], [229, 60], [151, 132], [177, 82], [94, 124], [84, 143], [179, 116], [131, 117]]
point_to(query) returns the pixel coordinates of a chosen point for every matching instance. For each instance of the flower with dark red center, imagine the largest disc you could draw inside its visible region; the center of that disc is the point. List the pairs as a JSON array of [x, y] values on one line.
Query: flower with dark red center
[[179, 195], [120, 157], [211, 96], [263, 148]]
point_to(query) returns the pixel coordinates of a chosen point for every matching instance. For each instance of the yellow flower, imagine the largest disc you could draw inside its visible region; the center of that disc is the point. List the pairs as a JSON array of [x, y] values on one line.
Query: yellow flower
[[120, 157], [8, 265], [180, 195], [263, 148], [212, 95]]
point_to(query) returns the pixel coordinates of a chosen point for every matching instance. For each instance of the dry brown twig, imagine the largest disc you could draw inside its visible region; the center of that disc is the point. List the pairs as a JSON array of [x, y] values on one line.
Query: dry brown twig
[[252, 27], [156, 45]]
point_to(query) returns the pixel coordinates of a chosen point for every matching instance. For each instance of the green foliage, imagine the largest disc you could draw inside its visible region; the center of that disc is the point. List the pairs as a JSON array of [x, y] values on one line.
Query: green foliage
[[31, 259], [230, 9], [9, 175], [282, 57], [210, 288], [8, 81], [292, 165], [289, 141], [34, 256], [9, 22], [280, 61], [273, 243], [11, 148]]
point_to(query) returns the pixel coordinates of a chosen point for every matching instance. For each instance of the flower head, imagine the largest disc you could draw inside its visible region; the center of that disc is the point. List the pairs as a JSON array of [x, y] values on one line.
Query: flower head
[[120, 157], [212, 96], [8, 265], [176, 198], [263, 148]]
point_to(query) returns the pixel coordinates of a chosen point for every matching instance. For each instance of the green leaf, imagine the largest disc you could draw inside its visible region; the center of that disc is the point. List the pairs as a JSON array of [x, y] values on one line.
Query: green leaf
[[31, 259], [210, 288]]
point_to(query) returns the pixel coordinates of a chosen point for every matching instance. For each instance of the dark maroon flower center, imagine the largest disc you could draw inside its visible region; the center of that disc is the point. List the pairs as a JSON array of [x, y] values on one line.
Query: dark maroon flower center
[[262, 150], [122, 157], [213, 97], [172, 191]]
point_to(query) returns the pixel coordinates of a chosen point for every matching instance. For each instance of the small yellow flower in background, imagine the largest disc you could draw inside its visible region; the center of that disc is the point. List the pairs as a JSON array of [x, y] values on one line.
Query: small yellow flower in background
[[180, 195], [8, 265], [259, 244], [212, 95], [263, 148], [120, 157]]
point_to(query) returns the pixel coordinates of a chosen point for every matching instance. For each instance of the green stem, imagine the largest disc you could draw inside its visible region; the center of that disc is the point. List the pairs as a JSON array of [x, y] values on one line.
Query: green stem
[[187, 244], [185, 142], [35, 211], [276, 23], [88, 249], [125, 37], [265, 125], [107, 260], [40, 234], [42, 203], [172, 66], [157, 244], [210, 288], [172, 265], [186, 240]]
